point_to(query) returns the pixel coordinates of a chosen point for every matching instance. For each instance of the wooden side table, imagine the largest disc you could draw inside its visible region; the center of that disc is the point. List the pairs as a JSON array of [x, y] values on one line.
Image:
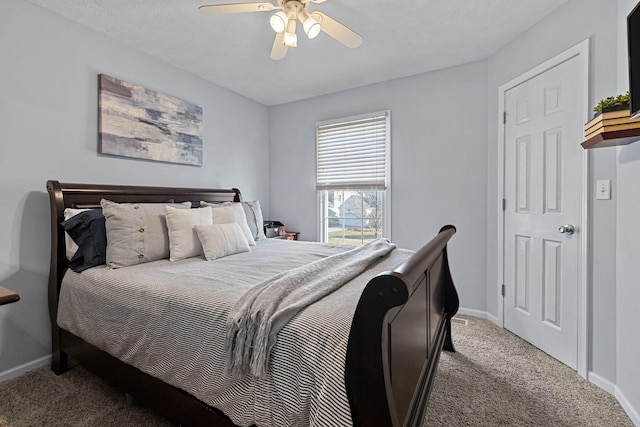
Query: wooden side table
[[7, 296]]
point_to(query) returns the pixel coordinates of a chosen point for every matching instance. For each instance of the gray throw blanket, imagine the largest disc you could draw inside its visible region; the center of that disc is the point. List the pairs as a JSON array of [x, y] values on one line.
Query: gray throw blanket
[[258, 316]]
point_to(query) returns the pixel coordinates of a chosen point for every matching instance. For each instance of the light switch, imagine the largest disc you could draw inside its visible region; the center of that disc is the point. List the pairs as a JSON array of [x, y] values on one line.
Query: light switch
[[603, 189]]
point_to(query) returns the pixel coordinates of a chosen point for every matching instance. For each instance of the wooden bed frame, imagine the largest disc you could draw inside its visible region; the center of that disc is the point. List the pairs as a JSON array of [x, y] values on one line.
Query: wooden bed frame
[[401, 324]]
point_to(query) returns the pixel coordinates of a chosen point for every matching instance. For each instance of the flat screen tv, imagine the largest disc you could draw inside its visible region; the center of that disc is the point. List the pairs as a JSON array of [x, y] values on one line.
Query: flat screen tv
[[633, 42]]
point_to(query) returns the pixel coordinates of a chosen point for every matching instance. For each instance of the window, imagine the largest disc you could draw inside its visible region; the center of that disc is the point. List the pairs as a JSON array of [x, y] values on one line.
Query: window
[[352, 178]]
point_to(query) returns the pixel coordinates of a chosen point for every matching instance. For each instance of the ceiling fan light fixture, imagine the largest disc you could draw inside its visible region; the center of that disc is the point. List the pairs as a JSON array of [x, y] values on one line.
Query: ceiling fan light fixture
[[278, 22], [286, 14], [290, 38], [311, 27]]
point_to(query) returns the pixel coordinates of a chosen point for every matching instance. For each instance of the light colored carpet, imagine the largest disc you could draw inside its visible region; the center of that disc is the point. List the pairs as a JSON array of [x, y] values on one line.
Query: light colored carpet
[[495, 379]]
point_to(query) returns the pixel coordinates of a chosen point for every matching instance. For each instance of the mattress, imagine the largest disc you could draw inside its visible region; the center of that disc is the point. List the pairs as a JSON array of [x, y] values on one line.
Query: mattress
[[168, 320]]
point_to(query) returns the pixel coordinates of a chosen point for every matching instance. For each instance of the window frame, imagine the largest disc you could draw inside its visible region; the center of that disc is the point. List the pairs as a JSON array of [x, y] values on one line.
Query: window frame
[[322, 194]]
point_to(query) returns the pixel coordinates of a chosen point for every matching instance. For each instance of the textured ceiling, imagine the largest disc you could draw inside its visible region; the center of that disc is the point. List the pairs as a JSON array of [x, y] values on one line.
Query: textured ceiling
[[400, 39]]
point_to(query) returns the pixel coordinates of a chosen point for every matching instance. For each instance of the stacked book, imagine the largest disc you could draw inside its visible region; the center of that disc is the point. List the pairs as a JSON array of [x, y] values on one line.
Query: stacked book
[[609, 122]]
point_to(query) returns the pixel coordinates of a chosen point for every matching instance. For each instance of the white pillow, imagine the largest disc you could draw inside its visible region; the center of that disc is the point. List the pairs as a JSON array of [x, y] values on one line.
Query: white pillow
[[69, 244], [220, 240], [233, 212], [253, 213], [183, 240]]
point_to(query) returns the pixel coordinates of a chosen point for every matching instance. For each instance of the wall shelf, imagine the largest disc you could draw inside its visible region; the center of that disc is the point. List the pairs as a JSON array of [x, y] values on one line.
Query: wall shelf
[[612, 139]]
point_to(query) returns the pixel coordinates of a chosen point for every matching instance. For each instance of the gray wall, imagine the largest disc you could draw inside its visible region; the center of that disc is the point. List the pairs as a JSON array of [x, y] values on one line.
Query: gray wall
[[574, 22], [628, 247], [438, 147], [48, 130]]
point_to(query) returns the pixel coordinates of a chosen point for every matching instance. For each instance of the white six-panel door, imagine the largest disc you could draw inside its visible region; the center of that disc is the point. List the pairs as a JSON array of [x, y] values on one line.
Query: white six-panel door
[[542, 190]]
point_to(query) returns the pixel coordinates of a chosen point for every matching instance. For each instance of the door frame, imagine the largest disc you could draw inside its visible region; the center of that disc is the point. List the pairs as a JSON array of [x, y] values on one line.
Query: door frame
[[581, 50]]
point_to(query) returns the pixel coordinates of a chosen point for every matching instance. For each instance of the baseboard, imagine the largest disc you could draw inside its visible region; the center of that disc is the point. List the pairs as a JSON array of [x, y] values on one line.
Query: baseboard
[[481, 314], [601, 382], [611, 388], [493, 319], [19, 370], [628, 408], [471, 312]]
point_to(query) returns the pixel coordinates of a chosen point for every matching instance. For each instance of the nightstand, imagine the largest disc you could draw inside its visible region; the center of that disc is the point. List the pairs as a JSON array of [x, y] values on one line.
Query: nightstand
[[7, 296]]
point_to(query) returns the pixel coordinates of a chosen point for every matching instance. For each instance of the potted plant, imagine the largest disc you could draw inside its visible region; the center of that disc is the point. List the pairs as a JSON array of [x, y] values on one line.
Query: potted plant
[[612, 103]]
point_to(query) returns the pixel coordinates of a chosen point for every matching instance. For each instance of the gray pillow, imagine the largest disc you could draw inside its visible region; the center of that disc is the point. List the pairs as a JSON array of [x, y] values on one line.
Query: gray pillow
[[253, 211], [136, 232]]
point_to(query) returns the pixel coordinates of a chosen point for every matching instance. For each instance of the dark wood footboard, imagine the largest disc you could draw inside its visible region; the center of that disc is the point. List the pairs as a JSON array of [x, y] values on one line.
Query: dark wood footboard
[[401, 323], [400, 326]]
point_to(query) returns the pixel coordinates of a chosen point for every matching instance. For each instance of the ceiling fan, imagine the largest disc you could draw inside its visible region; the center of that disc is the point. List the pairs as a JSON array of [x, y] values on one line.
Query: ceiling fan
[[284, 22]]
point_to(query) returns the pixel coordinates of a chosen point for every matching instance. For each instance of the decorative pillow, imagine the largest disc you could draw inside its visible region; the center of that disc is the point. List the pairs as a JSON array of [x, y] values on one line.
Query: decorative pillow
[[253, 217], [88, 233], [232, 212], [255, 220], [136, 232], [183, 239], [220, 240], [70, 246]]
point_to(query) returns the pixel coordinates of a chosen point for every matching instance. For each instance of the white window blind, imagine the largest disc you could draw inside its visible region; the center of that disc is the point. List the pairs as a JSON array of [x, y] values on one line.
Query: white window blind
[[354, 153]]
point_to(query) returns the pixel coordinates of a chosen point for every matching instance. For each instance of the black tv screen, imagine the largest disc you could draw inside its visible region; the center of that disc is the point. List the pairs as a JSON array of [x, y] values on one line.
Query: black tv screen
[[633, 41]]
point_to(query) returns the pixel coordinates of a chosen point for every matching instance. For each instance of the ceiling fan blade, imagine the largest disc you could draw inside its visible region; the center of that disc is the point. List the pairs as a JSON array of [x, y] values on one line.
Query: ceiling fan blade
[[279, 49], [318, 1], [338, 31], [222, 9]]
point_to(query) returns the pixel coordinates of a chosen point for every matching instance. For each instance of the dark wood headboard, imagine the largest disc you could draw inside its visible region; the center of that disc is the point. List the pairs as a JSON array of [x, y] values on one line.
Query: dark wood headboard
[[65, 195]]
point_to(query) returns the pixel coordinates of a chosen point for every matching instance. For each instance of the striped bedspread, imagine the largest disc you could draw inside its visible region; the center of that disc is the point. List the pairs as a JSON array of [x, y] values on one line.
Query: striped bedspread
[[168, 319]]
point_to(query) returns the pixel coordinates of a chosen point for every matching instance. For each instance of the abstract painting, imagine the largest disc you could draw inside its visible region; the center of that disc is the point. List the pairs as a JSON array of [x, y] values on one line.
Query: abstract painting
[[139, 122]]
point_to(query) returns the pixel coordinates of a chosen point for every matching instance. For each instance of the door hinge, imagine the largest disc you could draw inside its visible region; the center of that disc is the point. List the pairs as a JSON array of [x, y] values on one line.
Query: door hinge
[[504, 204], [504, 289], [504, 117]]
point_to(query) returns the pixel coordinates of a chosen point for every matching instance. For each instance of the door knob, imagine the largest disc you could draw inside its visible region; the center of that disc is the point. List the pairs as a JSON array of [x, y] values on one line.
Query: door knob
[[567, 229]]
